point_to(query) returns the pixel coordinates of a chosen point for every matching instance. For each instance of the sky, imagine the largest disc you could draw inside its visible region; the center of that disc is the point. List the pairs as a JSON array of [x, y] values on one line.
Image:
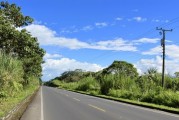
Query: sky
[[91, 34]]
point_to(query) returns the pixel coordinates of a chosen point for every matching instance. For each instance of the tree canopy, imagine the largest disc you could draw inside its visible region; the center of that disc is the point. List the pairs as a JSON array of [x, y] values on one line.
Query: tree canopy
[[121, 67], [20, 43]]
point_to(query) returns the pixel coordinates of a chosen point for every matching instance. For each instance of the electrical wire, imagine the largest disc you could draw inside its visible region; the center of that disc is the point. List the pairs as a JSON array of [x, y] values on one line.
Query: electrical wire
[[148, 32]]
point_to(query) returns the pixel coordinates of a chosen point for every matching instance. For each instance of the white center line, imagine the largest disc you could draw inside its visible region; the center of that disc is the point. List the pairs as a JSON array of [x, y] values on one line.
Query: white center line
[[97, 108], [76, 99], [143, 108]]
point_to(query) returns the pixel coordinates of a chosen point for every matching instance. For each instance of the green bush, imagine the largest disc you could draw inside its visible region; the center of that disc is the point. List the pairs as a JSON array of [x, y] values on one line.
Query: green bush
[[124, 94], [88, 84], [71, 85], [162, 97], [116, 81], [168, 98], [107, 83]]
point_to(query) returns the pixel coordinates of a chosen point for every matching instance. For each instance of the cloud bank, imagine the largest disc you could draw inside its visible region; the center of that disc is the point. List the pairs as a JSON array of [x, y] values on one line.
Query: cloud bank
[[54, 67]]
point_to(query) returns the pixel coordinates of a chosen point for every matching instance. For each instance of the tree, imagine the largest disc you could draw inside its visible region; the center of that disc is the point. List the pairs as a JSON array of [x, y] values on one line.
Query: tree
[[14, 15], [20, 44], [72, 76], [121, 67]]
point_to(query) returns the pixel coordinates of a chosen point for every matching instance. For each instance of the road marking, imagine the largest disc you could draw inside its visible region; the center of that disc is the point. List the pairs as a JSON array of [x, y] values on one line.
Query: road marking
[[146, 109], [125, 104], [97, 108], [135, 106], [76, 99], [42, 113], [66, 94]]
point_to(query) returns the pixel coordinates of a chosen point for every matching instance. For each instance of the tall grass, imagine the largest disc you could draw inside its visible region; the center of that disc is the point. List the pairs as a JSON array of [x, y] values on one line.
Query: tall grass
[[11, 75], [12, 90]]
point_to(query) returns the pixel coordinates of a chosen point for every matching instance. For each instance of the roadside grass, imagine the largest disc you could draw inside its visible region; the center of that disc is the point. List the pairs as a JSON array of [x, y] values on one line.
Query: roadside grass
[[7, 104], [12, 87]]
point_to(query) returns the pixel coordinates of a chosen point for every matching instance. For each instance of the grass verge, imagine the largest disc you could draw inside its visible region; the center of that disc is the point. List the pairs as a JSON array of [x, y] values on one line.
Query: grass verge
[[6, 105]]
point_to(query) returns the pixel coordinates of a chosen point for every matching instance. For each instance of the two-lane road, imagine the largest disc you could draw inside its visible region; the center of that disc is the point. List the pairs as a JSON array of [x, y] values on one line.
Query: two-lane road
[[65, 105], [57, 104]]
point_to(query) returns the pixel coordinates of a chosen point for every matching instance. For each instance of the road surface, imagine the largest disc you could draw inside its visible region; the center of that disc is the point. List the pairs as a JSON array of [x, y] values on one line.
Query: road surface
[[57, 104]]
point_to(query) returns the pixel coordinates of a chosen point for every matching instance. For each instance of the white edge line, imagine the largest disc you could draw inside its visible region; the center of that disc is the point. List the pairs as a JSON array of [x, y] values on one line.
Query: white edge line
[[42, 113]]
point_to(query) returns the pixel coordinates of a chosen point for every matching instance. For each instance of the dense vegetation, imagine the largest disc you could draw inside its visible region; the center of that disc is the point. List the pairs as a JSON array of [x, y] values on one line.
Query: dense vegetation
[[121, 80], [20, 57]]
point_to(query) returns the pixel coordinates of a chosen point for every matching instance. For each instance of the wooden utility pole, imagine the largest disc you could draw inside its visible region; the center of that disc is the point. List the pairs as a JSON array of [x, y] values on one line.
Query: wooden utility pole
[[163, 31]]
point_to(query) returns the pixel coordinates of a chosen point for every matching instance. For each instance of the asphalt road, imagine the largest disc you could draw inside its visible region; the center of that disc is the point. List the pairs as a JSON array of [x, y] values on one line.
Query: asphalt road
[[59, 104], [56, 104]]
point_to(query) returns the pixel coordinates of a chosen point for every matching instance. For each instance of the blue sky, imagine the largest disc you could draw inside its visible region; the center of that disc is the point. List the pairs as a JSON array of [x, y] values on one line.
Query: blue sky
[[91, 34]]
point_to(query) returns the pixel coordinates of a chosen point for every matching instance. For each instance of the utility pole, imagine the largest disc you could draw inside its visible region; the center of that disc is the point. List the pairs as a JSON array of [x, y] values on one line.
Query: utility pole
[[162, 32]]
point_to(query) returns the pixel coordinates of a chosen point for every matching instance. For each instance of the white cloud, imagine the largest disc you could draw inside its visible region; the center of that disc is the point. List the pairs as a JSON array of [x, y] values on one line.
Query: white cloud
[[119, 18], [154, 51], [143, 65], [88, 27], [102, 24], [118, 44], [147, 40], [171, 62], [168, 41], [139, 19], [52, 56], [53, 67], [48, 37], [171, 51]]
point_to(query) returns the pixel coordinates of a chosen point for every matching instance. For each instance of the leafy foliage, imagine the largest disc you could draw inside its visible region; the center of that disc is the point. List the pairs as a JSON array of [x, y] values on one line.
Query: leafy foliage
[[20, 43], [121, 67], [13, 13], [20, 57], [88, 84]]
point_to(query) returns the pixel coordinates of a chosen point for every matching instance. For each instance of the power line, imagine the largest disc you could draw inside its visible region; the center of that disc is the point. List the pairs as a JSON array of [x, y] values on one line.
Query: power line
[[172, 21]]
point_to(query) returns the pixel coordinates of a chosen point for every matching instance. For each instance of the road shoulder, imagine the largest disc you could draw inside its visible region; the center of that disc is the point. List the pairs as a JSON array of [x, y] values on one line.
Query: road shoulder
[[33, 111]]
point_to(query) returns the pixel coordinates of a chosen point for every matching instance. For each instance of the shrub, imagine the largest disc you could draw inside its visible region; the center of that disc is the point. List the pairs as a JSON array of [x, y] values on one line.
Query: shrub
[[126, 94], [107, 83], [168, 98], [88, 84]]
